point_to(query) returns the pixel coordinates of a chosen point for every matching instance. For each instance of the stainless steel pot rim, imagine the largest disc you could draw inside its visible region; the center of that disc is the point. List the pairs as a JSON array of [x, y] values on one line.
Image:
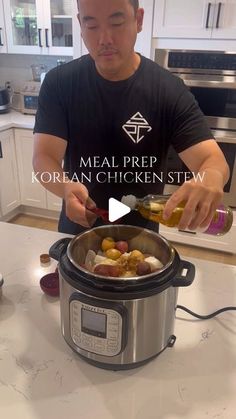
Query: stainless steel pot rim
[[129, 279]]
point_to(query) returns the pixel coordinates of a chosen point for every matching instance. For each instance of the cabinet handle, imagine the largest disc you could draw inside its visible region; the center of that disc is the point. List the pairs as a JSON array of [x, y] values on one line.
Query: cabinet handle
[[1, 44], [218, 15], [46, 37], [40, 40], [208, 15], [1, 156]]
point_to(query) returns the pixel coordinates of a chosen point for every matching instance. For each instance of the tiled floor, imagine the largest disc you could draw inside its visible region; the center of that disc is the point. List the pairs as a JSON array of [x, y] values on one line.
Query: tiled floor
[[184, 250]]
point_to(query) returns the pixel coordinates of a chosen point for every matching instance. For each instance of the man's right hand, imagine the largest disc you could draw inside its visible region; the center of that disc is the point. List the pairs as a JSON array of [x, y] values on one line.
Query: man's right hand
[[78, 203]]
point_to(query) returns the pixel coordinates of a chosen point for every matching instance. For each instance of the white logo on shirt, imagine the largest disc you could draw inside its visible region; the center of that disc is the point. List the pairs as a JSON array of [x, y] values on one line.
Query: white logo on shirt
[[135, 127]]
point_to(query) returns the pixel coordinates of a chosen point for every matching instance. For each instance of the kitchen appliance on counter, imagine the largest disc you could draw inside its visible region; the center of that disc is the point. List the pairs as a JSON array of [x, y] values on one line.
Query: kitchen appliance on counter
[[211, 77], [37, 71], [29, 97], [119, 323], [4, 100]]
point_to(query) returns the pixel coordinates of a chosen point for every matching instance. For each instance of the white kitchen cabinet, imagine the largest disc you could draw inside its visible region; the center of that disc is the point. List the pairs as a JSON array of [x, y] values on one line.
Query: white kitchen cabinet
[[39, 26], [144, 39], [225, 20], [32, 193], [3, 41], [54, 203], [195, 19], [9, 187]]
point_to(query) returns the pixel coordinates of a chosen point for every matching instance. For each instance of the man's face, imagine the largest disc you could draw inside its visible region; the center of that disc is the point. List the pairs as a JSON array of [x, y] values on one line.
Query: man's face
[[109, 29]]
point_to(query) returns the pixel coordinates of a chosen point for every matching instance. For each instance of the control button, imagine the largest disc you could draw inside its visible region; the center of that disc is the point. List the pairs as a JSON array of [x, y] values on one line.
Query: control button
[[113, 329], [76, 339], [98, 341], [86, 339], [111, 350], [113, 321], [75, 310], [112, 338], [113, 326], [76, 331], [87, 343], [99, 348], [112, 345]]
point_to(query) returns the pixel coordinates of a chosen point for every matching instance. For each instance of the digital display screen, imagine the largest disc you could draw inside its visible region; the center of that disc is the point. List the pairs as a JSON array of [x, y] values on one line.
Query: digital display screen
[[31, 102], [93, 323]]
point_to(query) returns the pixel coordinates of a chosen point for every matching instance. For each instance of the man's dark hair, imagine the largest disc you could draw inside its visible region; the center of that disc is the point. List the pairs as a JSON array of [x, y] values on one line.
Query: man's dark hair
[[135, 4]]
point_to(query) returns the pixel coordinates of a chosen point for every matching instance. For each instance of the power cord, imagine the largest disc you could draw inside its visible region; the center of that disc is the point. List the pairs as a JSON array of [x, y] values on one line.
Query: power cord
[[208, 316]]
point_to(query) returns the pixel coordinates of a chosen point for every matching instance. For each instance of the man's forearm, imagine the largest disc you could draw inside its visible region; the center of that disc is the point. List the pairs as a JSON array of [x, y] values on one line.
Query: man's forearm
[[50, 174], [215, 170]]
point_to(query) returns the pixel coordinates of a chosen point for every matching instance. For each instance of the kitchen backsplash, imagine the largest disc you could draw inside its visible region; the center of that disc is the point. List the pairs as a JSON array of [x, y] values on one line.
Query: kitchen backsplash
[[16, 68]]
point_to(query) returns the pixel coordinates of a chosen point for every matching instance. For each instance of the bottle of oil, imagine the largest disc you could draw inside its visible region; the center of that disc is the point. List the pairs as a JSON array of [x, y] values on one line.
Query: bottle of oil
[[151, 207]]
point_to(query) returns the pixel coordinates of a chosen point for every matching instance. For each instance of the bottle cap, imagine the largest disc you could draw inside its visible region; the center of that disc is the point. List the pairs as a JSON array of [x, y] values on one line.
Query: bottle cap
[[129, 200], [45, 259]]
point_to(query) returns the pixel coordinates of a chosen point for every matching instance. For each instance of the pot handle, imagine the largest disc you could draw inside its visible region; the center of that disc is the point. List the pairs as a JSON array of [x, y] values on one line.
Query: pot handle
[[184, 279], [57, 248]]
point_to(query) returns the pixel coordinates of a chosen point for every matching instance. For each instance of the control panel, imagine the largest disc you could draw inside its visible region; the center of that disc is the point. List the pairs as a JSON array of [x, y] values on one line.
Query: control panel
[[202, 60], [31, 87], [95, 328]]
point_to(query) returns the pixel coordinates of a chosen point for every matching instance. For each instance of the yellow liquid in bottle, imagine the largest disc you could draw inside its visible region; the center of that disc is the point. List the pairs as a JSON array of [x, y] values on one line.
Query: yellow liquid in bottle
[[153, 211]]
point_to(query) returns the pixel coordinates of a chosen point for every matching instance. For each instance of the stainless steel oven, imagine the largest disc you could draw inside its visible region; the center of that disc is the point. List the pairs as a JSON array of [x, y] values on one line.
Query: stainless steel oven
[[211, 77]]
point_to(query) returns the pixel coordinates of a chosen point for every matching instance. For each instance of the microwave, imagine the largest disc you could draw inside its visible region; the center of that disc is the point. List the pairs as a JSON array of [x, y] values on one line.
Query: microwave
[[29, 97]]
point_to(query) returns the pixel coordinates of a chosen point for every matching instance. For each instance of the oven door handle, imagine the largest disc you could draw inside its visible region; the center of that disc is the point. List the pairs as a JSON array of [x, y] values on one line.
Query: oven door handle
[[211, 84], [208, 15]]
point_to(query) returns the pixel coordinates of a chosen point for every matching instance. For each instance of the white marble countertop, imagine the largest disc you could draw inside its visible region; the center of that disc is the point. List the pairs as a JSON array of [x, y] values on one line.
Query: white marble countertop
[[14, 119], [41, 377]]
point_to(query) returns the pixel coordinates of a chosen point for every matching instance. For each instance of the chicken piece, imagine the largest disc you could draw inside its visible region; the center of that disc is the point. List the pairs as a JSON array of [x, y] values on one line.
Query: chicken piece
[[155, 264]]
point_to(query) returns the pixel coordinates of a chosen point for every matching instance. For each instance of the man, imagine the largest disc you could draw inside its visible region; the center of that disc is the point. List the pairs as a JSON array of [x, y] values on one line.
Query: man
[[102, 110]]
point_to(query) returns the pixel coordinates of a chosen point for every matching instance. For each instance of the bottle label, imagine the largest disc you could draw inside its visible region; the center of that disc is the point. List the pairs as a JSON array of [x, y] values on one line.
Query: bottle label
[[217, 223]]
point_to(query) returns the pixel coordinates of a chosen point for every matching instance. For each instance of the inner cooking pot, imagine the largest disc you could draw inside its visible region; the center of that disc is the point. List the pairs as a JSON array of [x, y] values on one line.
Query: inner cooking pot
[[72, 253], [138, 238]]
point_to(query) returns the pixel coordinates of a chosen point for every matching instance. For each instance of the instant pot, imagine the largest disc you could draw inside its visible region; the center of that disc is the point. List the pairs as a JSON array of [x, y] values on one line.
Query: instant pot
[[119, 323]]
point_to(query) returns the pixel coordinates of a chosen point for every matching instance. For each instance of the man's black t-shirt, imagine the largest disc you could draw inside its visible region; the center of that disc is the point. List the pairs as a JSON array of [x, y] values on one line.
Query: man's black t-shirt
[[118, 132]]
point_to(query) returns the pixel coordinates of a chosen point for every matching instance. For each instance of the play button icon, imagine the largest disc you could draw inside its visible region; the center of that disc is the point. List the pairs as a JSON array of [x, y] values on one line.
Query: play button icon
[[117, 209]]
